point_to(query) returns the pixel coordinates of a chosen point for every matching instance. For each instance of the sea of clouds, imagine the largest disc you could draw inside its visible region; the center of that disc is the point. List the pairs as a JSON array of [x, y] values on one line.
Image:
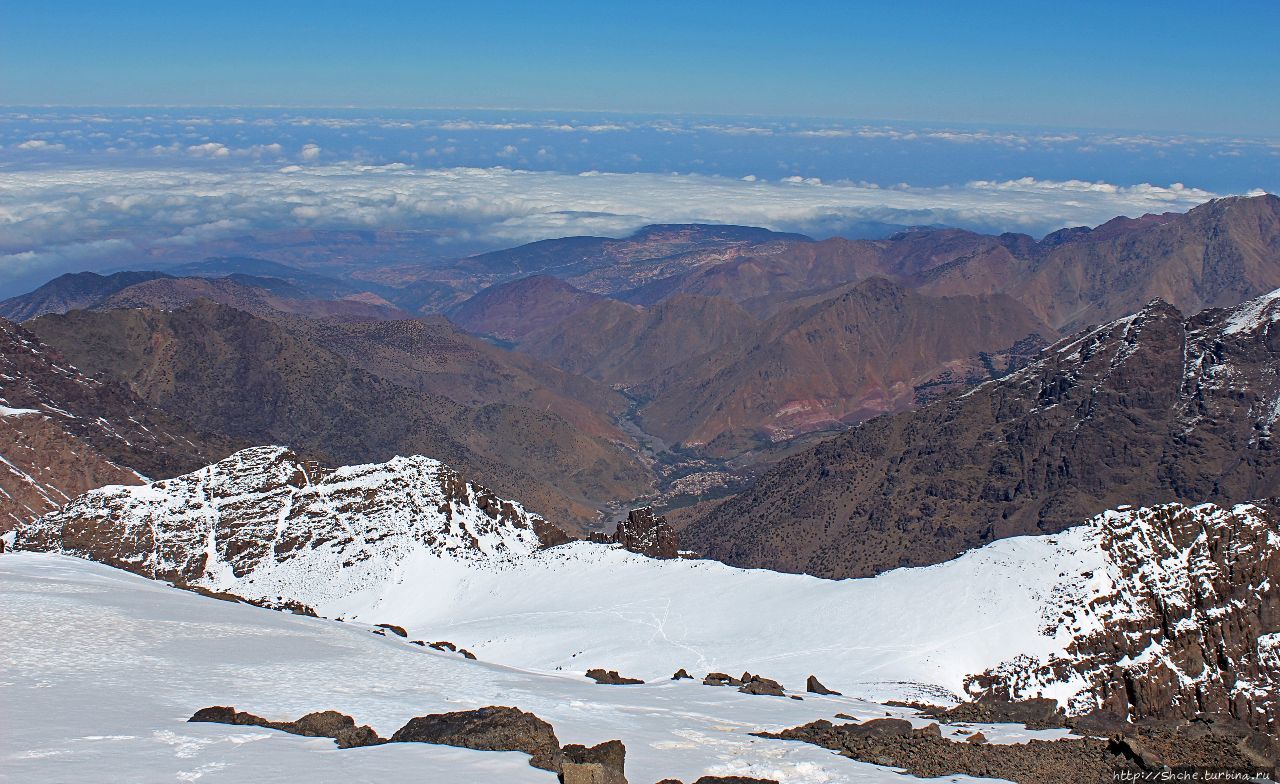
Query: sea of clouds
[[86, 190]]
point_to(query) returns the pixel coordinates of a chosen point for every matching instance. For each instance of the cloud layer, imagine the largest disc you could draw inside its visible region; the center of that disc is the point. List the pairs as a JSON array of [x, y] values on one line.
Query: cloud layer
[[63, 216]]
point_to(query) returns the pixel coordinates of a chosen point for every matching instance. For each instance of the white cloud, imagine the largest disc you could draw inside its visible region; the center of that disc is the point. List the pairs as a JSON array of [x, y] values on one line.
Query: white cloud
[[40, 145], [209, 150], [309, 152], [53, 216]]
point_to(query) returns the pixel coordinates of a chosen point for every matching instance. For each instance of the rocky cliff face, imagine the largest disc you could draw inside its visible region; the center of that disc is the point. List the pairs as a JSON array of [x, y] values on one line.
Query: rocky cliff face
[[1151, 408], [1182, 618], [265, 524]]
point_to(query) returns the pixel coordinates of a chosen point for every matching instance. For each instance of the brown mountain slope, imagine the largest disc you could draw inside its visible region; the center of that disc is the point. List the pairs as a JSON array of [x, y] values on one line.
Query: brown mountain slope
[[509, 311], [624, 345], [62, 433], [1147, 409], [875, 347], [262, 381], [432, 355], [1215, 255], [73, 291], [602, 265], [260, 296]]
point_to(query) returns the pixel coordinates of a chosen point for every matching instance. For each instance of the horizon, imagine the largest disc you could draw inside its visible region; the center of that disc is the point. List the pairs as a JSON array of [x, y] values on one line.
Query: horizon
[[1103, 66]]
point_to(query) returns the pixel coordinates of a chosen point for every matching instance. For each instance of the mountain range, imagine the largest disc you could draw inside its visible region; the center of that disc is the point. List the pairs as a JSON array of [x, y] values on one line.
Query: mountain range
[[1005, 506]]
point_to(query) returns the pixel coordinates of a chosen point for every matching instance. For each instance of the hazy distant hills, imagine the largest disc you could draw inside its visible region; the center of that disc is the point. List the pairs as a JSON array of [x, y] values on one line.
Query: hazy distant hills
[[249, 284]]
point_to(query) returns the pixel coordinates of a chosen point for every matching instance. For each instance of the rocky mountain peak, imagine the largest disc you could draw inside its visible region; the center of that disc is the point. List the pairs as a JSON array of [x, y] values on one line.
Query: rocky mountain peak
[[267, 524]]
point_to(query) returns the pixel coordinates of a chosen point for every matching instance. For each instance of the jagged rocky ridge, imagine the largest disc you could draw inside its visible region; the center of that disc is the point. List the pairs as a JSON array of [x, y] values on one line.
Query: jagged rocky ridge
[[266, 523], [1182, 617], [1151, 408]]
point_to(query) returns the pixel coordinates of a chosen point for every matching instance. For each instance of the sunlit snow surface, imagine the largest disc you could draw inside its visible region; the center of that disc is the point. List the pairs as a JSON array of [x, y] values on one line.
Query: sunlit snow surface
[[101, 669]]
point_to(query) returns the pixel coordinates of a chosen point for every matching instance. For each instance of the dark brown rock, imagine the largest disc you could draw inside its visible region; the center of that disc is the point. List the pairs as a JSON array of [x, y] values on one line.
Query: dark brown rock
[[601, 764], [396, 630], [1035, 713], [322, 724], [611, 678], [681, 674], [647, 534], [814, 686], [926, 754], [756, 684], [494, 728], [721, 679]]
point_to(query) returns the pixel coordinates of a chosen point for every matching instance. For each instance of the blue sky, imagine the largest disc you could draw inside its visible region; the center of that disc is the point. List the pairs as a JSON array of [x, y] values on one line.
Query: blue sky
[[1173, 66]]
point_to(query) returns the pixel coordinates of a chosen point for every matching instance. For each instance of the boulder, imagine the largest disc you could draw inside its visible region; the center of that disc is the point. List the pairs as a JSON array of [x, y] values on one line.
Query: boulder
[[681, 674], [880, 728], [321, 724], [396, 630], [756, 684], [720, 679], [611, 678], [601, 764], [976, 737], [495, 728], [814, 686]]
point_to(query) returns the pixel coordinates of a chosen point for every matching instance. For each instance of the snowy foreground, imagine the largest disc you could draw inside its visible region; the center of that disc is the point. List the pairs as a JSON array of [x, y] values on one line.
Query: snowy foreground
[[102, 667]]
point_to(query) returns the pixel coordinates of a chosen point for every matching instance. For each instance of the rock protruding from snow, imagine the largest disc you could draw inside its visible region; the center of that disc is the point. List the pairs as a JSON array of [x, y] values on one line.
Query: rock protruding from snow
[[648, 534], [321, 724], [264, 523], [1182, 620], [495, 728], [604, 763]]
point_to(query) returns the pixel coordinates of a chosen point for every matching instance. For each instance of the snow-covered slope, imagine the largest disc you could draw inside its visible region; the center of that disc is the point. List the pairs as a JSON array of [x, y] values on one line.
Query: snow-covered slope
[[1151, 611], [102, 668]]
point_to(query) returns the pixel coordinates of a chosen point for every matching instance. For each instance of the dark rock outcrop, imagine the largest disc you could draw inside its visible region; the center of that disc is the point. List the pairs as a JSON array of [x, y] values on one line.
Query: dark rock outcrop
[[645, 533], [611, 678], [758, 684], [601, 764], [721, 679], [814, 686], [396, 630], [321, 724], [495, 728], [681, 674], [1190, 625], [926, 754], [1035, 713]]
